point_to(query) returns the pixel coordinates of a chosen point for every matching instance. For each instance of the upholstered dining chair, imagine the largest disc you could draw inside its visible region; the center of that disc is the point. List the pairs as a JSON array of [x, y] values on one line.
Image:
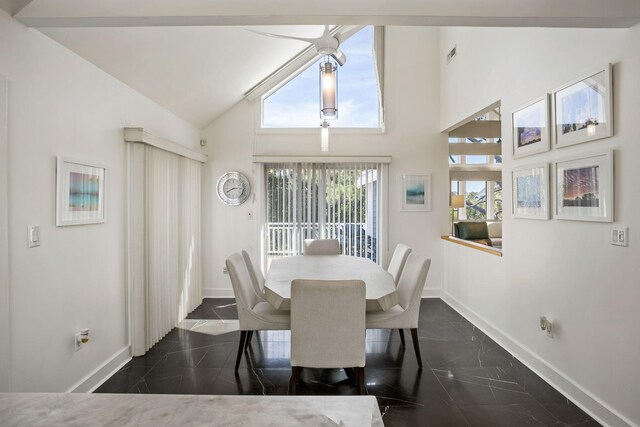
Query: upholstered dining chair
[[253, 314], [327, 327], [396, 265], [255, 272], [321, 247], [398, 259], [405, 315]]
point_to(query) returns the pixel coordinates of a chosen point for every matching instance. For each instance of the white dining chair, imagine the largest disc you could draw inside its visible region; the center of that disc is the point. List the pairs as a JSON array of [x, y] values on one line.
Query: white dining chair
[[328, 327], [405, 315], [253, 314], [255, 272], [321, 247], [396, 265], [398, 260]]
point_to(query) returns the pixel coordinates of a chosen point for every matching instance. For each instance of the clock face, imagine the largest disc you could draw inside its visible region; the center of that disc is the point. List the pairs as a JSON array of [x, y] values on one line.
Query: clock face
[[233, 188]]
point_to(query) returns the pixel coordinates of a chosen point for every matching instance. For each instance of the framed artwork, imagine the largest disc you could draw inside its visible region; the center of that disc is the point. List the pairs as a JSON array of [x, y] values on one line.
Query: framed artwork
[[530, 123], [584, 188], [583, 109], [530, 186], [80, 192], [416, 192]]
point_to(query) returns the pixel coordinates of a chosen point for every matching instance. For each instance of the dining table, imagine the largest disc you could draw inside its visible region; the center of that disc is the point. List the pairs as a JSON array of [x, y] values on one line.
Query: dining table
[[380, 287]]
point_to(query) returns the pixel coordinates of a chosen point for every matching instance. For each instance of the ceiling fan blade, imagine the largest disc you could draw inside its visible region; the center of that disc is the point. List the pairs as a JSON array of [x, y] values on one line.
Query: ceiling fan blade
[[280, 36], [325, 44], [340, 57]]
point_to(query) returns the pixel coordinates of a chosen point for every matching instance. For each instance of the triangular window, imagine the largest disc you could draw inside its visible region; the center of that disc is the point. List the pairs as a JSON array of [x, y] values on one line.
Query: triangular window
[[296, 103]]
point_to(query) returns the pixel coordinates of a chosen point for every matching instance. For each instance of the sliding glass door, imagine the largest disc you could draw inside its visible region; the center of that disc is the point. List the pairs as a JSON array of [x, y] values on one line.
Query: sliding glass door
[[322, 201]]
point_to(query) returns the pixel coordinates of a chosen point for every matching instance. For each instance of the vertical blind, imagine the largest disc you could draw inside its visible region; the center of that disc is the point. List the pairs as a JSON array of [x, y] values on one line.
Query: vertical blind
[[322, 201], [164, 242]]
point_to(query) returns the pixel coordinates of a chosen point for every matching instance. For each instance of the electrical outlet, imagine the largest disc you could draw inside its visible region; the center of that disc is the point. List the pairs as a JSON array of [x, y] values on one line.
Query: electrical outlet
[[620, 236], [250, 215], [546, 325]]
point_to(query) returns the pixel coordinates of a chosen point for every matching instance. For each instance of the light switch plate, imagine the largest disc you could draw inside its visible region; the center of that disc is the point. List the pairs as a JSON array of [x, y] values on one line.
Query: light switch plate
[[620, 236], [33, 235]]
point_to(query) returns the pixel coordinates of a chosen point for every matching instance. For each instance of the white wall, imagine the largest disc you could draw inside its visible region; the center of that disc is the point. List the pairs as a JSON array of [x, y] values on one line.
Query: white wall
[[565, 270], [412, 139], [5, 306], [62, 105]]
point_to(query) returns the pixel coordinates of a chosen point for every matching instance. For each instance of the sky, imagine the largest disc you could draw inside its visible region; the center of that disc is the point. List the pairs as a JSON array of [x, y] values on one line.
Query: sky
[[297, 104]]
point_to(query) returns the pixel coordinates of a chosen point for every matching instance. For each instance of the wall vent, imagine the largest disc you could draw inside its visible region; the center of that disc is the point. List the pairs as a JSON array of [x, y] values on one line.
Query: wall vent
[[451, 54]]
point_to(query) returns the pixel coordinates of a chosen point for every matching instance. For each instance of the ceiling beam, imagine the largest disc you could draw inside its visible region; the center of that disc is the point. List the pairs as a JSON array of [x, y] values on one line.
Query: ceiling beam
[[478, 129], [495, 13], [435, 21]]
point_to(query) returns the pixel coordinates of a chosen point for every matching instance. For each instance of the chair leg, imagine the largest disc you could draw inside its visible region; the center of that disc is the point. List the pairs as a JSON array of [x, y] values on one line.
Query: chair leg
[[362, 388], [416, 345], [249, 336], [401, 332], [243, 337], [295, 376], [351, 375]]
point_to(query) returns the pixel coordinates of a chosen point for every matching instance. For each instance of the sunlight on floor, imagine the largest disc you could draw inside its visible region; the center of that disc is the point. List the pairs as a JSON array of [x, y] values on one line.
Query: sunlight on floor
[[210, 327]]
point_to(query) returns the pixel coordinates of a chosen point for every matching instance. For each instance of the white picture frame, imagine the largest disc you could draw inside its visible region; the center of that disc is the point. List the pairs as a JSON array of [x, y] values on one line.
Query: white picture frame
[[416, 193], [530, 192], [584, 188], [582, 109], [80, 192], [530, 128]]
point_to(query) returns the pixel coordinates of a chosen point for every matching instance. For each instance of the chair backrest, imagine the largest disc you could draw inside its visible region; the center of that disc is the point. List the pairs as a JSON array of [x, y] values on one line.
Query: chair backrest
[[255, 272], [321, 247], [246, 297], [398, 259], [328, 323], [411, 284]]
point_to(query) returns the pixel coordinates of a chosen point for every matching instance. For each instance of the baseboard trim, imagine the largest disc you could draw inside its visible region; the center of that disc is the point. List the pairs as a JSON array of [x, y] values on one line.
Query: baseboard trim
[[103, 372], [217, 293], [593, 406], [432, 293]]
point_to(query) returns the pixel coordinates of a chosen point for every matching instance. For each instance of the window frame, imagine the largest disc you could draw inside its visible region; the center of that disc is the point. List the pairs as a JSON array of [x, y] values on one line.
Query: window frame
[[299, 64], [490, 198], [382, 191]]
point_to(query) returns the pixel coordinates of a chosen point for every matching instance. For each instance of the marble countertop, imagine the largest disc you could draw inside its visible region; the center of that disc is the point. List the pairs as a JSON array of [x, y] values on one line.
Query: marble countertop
[[63, 409]]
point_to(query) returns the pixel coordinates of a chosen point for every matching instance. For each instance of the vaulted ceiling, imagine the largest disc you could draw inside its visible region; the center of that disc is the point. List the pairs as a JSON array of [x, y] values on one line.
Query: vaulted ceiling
[[195, 57]]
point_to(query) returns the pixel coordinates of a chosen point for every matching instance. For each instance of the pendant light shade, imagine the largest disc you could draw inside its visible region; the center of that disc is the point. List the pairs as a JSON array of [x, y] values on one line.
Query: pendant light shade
[[328, 90]]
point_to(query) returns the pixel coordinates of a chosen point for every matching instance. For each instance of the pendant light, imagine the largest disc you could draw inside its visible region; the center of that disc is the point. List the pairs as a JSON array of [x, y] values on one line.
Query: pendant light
[[328, 99]]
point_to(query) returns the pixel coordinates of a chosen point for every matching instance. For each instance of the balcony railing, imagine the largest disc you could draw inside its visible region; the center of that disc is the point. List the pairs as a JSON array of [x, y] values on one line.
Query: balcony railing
[[285, 238]]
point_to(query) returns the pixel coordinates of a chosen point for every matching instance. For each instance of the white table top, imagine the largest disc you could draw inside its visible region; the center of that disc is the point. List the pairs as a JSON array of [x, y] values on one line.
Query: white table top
[[381, 289], [75, 409]]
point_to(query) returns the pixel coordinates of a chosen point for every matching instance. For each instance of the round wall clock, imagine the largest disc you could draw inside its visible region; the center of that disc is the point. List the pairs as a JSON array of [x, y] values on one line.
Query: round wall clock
[[233, 188]]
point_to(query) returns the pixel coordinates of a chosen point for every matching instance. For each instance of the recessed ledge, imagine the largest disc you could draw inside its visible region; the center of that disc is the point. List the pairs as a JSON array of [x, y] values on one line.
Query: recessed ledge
[[473, 245]]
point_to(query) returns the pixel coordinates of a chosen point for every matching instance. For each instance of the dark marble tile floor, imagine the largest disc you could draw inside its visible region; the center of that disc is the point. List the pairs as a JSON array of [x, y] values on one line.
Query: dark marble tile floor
[[467, 380]]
